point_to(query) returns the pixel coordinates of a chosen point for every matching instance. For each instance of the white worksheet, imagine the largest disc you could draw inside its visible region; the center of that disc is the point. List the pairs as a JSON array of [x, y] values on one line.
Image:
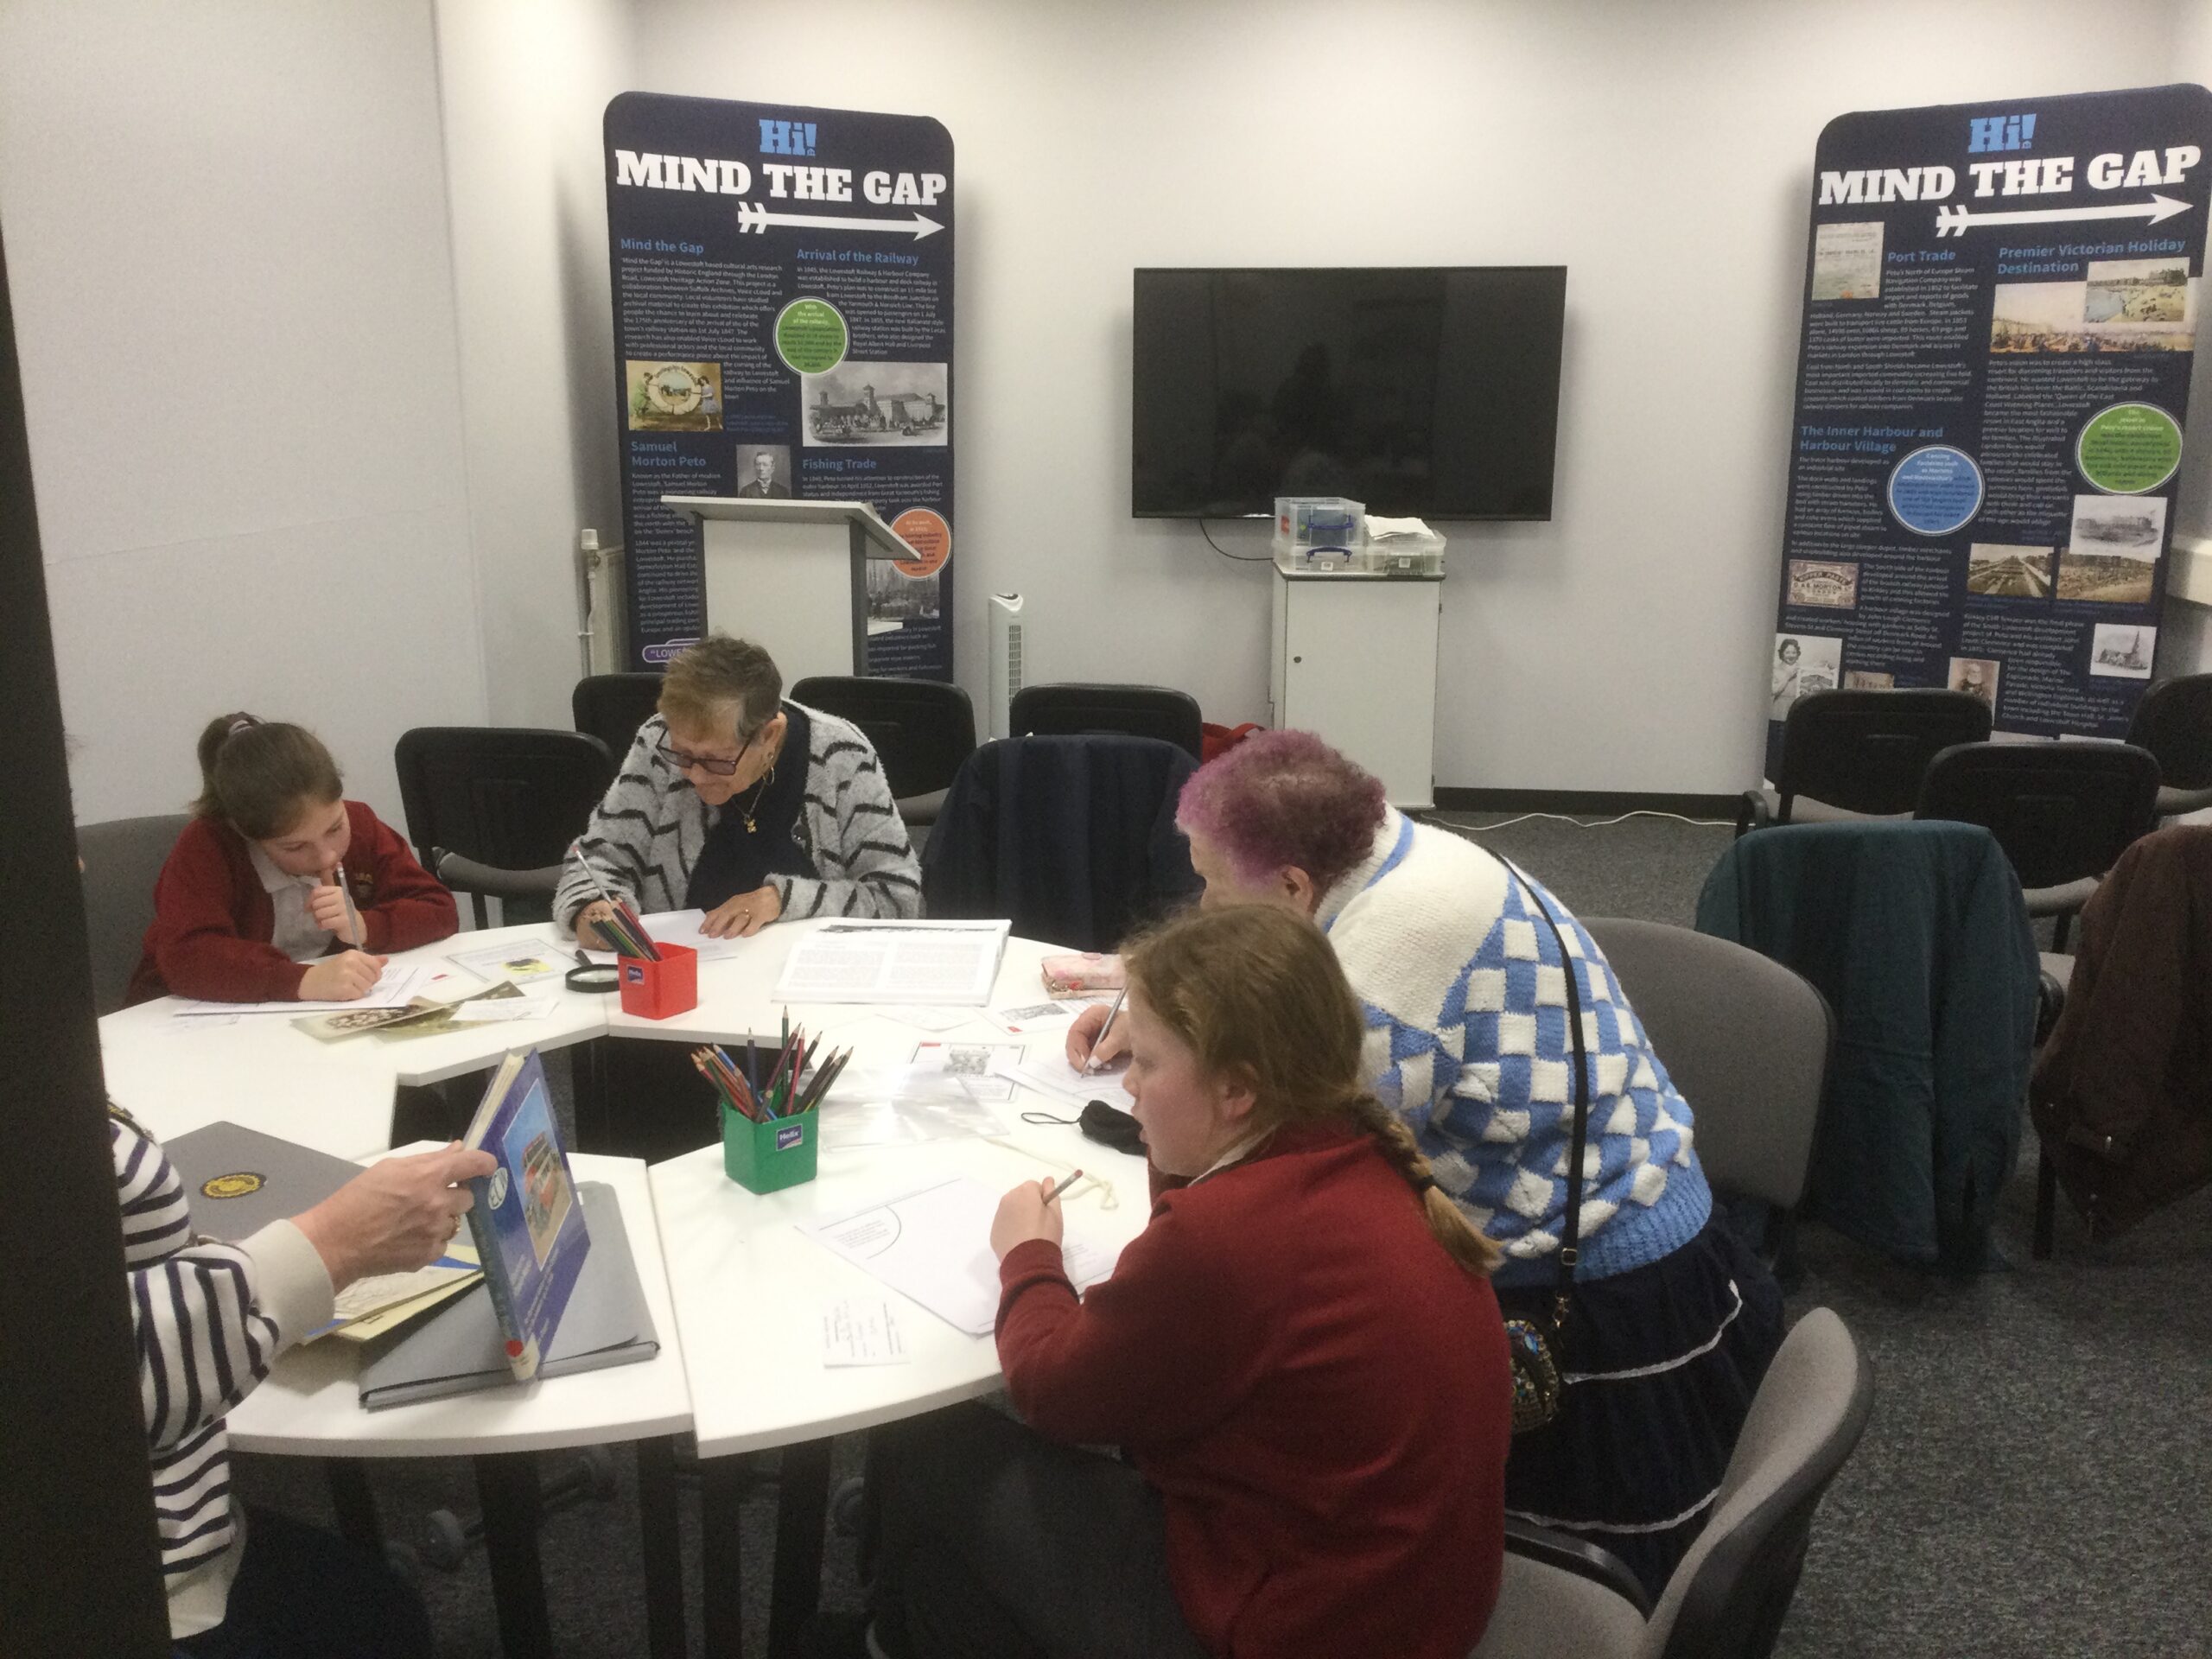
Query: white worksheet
[[861, 1330], [395, 988], [1047, 1070], [934, 1247], [943, 962]]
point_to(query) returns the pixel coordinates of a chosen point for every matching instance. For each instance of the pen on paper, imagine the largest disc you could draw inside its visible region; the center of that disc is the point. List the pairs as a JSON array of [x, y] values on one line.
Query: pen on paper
[[1090, 1064]]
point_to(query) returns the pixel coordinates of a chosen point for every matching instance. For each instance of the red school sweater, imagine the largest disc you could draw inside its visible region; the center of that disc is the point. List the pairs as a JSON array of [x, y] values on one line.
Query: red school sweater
[[1317, 1391], [212, 918]]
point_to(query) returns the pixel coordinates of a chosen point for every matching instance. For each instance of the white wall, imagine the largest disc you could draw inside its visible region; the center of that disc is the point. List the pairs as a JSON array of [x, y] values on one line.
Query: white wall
[[1663, 154], [339, 392], [2185, 632], [523, 83], [226, 231]]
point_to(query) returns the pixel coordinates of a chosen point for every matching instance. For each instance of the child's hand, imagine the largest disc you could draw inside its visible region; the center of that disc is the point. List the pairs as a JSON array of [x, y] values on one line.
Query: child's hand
[[326, 905], [347, 977], [1023, 1215]]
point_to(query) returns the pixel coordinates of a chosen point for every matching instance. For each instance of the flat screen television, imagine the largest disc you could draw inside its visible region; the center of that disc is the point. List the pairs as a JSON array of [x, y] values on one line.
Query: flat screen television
[[1428, 391]]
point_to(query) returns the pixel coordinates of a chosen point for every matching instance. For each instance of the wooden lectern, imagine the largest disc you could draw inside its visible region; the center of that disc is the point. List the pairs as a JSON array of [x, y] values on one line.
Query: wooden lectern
[[792, 575]]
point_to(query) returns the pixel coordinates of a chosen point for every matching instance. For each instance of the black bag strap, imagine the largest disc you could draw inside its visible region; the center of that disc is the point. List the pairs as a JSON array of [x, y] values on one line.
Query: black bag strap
[[1570, 1243]]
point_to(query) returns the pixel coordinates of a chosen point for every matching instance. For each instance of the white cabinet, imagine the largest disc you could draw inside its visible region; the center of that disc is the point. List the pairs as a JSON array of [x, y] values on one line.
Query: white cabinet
[[1352, 658]]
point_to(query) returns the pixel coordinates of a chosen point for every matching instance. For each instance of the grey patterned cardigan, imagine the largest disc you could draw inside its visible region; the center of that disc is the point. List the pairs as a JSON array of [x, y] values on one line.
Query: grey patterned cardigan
[[644, 837]]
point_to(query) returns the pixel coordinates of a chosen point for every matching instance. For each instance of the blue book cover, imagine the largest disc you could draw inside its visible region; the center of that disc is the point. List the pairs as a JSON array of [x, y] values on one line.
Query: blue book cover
[[528, 1221]]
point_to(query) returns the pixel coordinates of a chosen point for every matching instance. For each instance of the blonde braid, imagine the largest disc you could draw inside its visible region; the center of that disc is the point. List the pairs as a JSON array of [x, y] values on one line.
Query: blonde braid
[[1467, 1244]]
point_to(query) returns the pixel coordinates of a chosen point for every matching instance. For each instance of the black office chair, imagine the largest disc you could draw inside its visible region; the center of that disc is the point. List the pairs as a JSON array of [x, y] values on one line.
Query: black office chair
[[510, 798], [1856, 754], [922, 731], [611, 707], [1133, 710], [1073, 838], [2174, 722], [2062, 811], [122, 858]]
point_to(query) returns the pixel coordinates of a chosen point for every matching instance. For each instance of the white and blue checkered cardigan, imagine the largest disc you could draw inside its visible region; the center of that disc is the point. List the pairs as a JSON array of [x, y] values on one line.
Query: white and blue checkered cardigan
[[1471, 1048]]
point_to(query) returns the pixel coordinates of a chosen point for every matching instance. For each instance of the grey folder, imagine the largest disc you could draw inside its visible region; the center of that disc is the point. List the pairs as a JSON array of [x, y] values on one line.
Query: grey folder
[[457, 1349], [255, 1179]]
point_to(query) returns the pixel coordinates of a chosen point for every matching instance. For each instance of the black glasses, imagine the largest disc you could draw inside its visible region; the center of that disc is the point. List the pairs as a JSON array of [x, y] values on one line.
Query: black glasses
[[684, 760]]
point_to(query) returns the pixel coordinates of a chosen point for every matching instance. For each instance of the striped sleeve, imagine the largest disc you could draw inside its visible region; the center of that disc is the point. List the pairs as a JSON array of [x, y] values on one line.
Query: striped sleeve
[[205, 1335], [866, 863], [633, 844]]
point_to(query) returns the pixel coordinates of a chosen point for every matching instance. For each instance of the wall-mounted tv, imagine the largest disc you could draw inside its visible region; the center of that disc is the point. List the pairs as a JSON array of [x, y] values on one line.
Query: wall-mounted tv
[[1431, 392]]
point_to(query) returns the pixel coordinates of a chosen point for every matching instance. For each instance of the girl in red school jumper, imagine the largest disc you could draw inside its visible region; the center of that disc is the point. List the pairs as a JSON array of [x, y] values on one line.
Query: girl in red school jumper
[[1300, 1355], [249, 907]]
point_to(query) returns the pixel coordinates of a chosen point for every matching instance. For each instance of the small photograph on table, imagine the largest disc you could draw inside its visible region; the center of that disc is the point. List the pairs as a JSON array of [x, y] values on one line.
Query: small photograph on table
[[1803, 663]]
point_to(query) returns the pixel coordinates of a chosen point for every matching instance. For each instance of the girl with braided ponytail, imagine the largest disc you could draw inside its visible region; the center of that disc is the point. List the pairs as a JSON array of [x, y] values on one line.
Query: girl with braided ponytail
[[1300, 1353]]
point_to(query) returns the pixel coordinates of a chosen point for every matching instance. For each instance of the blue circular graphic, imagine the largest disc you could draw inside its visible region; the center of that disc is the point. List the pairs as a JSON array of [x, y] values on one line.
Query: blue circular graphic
[[1935, 491]]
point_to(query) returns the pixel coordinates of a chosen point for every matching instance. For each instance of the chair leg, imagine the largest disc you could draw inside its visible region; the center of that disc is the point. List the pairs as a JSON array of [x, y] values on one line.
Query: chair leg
[[2046, 1205], [2059, 930]]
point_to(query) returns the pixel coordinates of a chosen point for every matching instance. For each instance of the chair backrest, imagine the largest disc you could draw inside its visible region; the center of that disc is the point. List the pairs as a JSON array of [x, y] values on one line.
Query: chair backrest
[[2060, 811], [1134, 711], [611, 707], [1745, 1040], [1864, 751], [2174, 722], [922, 729], [122, 859], [513, 796], [1073, 838], [1729, 1594]]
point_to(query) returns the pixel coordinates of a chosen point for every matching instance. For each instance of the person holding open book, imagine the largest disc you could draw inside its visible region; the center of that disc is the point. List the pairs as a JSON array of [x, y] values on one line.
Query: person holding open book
[[280, 888], [1318, 1433], [210, 1319]]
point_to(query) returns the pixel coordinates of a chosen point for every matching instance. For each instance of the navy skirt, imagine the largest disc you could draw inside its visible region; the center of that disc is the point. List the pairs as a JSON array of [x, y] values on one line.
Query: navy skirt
[[1660, 1365]]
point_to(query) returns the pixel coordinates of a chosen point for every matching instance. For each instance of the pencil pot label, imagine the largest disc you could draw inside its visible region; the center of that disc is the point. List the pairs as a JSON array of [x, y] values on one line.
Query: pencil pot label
[[654, 990], [768, 1157]]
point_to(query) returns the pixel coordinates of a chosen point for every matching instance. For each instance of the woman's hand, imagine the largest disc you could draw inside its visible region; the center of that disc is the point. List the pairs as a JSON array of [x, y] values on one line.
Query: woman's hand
[[1084, 1046], [346, 977], [588, 919], [744, 916], [326, 908], [396, 1215], [1023, 1215]]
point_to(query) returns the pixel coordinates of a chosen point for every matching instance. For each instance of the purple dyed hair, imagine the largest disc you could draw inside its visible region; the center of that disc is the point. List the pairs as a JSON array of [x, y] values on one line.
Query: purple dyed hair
[[1284, 799]]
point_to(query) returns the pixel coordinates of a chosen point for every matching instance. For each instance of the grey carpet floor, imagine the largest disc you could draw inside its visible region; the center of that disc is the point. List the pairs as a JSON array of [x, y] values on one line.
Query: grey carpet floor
[[2036, 1479]]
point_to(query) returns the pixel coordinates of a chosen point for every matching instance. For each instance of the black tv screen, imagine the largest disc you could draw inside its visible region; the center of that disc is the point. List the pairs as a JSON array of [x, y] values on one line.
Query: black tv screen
[[1431, 392]]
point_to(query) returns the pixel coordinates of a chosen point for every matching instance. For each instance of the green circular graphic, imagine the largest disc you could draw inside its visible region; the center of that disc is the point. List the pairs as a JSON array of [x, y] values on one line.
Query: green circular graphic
[[2129, 448], [810, 336]]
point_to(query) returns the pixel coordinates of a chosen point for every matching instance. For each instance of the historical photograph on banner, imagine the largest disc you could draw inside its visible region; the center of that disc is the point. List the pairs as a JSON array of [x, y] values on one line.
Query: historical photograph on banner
[[2000, 319], [783, 321]]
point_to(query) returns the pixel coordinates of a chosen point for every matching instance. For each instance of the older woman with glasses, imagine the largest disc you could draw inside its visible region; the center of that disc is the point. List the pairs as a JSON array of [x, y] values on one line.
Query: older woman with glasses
[[736, 802]]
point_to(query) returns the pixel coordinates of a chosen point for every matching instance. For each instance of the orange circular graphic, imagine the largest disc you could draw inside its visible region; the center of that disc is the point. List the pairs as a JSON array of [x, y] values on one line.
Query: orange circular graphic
[[928, 534]]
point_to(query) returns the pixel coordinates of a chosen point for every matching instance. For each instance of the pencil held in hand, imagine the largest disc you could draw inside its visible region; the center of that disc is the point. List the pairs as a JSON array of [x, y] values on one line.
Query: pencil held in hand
[[1062, 1184]]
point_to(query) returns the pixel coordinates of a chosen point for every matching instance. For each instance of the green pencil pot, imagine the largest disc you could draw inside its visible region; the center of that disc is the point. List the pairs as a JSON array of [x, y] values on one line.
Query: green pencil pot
[[769, 1157]]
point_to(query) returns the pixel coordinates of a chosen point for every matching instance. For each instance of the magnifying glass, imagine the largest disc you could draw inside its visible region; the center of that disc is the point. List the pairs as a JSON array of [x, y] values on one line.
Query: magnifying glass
[[597, 977]]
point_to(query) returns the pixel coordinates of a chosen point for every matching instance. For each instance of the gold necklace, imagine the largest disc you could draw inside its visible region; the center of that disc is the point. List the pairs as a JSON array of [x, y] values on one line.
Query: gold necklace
[[759, 789]]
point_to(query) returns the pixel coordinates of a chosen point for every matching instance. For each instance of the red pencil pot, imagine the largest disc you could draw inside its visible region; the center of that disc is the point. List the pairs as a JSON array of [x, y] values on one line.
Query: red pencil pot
[[654, 990]]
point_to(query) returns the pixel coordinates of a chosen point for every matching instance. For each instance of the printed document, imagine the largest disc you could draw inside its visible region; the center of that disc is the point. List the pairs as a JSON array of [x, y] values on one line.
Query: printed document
[[895, 962]]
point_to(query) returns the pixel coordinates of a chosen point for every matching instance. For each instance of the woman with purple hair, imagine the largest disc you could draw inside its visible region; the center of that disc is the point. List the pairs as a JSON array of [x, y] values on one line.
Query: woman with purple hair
[[1462, 984]]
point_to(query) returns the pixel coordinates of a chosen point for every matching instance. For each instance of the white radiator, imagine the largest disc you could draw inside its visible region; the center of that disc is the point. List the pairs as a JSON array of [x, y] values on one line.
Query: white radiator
[[1006, 660]]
